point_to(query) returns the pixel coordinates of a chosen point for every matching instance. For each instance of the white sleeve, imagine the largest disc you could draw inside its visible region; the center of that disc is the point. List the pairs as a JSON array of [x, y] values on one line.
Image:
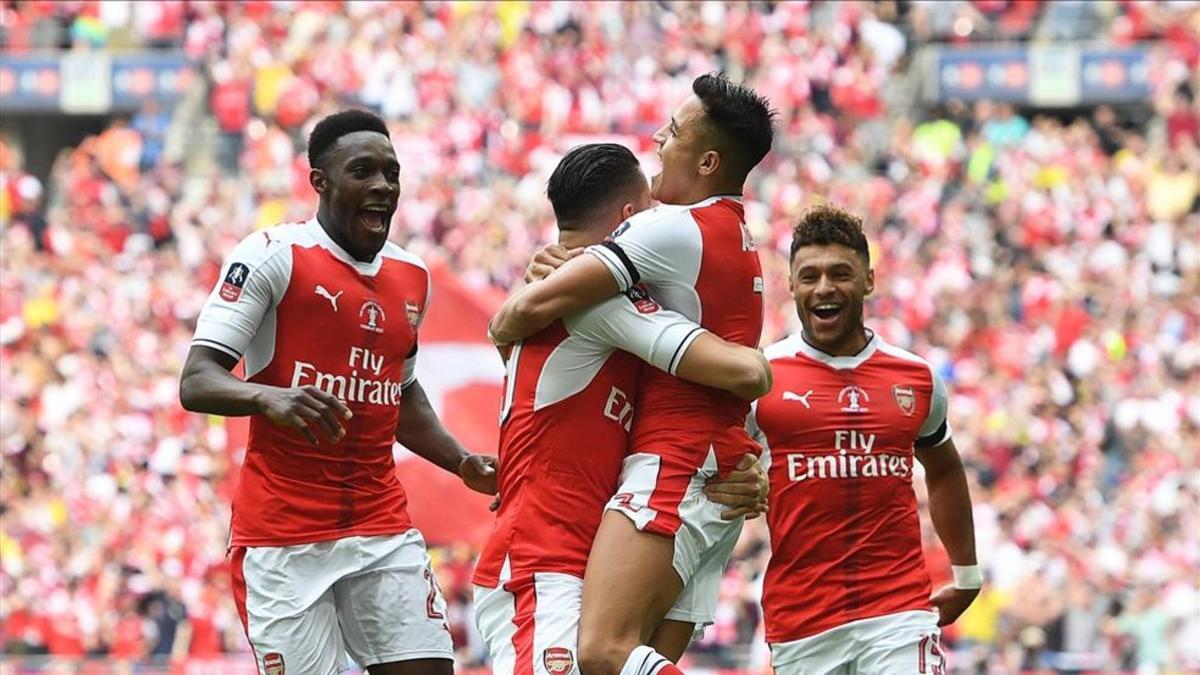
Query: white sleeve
[[652, 252], [935, 430], [253, 279], [410, 363], [639, 326]]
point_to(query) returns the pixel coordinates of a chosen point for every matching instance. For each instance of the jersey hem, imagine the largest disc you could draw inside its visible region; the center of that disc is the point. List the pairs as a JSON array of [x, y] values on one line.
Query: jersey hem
[[776, 641], [332, 535]]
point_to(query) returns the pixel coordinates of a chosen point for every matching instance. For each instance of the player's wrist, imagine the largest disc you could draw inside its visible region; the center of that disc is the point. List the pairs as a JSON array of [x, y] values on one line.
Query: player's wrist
[[967, 577]]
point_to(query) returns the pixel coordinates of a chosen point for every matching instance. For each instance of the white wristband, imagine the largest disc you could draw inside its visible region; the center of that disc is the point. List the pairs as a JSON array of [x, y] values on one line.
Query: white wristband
[[967, 577]]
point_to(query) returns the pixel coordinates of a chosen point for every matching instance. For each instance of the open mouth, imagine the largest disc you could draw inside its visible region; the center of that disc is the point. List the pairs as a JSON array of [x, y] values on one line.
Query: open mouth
[[374, 219], [827, 311]]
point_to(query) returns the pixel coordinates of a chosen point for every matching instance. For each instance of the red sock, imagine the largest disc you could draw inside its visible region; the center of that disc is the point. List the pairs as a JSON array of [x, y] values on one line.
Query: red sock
[[670, 669]]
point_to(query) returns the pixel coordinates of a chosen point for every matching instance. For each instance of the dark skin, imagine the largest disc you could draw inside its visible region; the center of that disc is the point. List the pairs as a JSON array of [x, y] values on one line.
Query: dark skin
[[829, 284], [358, 182]]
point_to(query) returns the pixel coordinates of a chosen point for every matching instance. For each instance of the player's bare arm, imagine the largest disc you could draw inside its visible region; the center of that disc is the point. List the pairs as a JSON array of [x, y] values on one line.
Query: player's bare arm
[[578, 284], [419, 429], [950, 510], [208, 386], [713, 362]]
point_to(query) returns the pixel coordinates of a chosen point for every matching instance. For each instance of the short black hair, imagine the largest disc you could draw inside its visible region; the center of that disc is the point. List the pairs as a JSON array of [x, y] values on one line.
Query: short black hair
[[325, 135], [826, 224], [741, 117], [588, 177]]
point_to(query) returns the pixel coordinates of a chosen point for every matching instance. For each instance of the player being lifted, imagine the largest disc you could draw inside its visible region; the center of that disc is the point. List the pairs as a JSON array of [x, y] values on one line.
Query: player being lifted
[[325, 315], [846, 589], [570, 396], [696, 256]]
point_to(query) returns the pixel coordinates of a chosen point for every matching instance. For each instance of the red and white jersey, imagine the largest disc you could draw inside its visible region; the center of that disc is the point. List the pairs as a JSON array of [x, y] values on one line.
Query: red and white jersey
[[838, 435], [568, 407], [301, 311], [698, 260]]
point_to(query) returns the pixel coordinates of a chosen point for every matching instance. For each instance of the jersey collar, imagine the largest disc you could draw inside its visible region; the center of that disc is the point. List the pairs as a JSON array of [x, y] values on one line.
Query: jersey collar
[[365, 268], [840, 362]]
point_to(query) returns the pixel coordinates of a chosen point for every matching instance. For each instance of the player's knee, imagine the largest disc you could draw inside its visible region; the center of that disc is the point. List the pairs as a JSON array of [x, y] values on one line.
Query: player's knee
[[600, 658]]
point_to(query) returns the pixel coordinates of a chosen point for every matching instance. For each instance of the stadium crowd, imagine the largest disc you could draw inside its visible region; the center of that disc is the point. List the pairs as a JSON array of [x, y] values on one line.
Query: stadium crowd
[[1049, 266]]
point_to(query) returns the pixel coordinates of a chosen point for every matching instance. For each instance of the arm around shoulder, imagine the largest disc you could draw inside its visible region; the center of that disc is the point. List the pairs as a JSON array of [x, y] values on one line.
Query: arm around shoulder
[[713, 362]]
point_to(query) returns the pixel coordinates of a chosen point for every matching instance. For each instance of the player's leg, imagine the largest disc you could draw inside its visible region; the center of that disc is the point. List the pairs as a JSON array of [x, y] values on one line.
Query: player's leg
[[628, 588], [696, 605], [495, 618], [636, 568], [906, 643], [391, 610], [532, 626], [284, 597], [671, 638], [827, 653]]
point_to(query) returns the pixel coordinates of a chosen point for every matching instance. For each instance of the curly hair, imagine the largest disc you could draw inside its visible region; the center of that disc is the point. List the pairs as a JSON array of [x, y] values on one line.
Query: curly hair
[[828, 224]]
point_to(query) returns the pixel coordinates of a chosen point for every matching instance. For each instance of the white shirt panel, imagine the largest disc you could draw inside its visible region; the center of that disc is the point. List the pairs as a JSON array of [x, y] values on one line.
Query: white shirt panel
[[664, 247], [232, 318], [659, 337]]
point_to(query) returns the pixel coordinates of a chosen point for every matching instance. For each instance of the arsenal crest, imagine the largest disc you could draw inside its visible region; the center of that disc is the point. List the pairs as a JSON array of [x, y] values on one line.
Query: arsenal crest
[[273, 663], [558, 660], [412, 312], [906, 398]]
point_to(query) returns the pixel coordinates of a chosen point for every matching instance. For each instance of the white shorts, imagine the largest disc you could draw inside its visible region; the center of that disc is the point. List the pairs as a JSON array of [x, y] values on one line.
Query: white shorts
[[305, 606], [905, 643], [703, 541], [533, 626]]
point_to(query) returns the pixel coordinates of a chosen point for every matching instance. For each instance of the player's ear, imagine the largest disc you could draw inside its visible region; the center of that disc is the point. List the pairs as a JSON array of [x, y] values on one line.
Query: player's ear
[[626, 211], [870, 287], [318, 180], [709, 161]]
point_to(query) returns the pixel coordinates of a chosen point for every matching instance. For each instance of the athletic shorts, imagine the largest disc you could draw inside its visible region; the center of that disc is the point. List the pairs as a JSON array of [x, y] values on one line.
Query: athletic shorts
[[304, 607], [532, 625], [905, 643], [662, 491]]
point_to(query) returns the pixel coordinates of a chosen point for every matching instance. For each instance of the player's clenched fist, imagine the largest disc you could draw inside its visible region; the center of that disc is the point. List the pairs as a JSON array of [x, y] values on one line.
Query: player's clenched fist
[[306, 409], [547, 260], [478, 472]]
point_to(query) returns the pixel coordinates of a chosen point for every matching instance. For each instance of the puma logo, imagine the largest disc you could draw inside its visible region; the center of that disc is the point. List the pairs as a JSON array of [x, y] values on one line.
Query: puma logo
[[331, 298], [793, 396]]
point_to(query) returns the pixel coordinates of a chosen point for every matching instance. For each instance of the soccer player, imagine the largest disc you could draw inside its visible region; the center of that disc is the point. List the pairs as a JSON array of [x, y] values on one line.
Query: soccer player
[[570, 398], [325, 316], [696, 256], [846, 589]]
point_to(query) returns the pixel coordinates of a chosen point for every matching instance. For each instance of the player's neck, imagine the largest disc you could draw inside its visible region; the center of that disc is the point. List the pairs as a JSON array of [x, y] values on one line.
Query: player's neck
[[325, 220], [713, 188], [852, 345]]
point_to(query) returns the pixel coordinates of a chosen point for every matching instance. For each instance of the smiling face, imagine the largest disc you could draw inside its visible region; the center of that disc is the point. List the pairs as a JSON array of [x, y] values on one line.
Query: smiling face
[[359, 184], [681, 148], [829, 283]]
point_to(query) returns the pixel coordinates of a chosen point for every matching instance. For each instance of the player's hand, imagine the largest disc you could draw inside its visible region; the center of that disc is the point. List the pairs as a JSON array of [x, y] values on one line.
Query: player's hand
[[478, 472], [306, 409], [951, 602], [744, 490], [547, 260], [495, 505]]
